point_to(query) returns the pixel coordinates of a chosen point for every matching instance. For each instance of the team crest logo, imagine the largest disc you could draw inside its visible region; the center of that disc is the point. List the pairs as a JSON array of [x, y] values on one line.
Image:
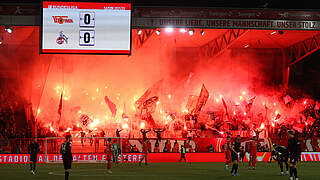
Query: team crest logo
[[62, 38], [62, 19]]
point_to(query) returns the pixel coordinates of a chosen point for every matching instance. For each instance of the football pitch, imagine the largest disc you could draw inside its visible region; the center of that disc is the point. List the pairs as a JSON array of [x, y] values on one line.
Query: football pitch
[[156, 171]]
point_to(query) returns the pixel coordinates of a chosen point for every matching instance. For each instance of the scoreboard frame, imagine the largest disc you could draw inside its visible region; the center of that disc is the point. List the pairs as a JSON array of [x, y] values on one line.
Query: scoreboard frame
[[89, 52]]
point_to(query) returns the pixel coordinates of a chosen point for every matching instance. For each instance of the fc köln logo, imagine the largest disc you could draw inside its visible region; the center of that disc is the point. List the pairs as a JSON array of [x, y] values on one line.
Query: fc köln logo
[[62, 38]]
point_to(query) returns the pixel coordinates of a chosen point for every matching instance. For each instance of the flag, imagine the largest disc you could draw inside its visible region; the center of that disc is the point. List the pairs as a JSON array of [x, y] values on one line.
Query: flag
[[142, 99], [298, 127], [150, 92], [277, 117], [317, 106], [111, 106], [149, 105], [287, 99], [252, 100], [60, 104], [124, 115], [249, 105], [192, 103], [85, 119], [310, 120], [225, 105], [203, 97]]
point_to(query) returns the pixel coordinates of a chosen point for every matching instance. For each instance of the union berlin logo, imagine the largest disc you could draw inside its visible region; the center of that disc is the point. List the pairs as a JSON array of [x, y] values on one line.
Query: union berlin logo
[[62, 19]]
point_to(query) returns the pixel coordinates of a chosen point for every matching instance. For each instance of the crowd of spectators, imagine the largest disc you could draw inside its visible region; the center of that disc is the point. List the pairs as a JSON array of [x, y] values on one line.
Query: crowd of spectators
[[10, 135], [17, 138], [311, 130]]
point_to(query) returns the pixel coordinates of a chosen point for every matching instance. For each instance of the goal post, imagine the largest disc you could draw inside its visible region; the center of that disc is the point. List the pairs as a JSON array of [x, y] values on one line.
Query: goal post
[[84, 150]]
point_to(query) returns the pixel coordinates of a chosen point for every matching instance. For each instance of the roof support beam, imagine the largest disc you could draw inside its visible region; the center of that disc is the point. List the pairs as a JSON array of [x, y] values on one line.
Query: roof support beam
[[295, 53], [144, 35], [216, 46], [302, 49]]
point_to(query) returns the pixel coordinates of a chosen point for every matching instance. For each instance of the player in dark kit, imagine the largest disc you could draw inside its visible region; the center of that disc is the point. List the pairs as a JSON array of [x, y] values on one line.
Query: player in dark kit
[[33, 149], [235, 149], [281, 155], [66, 153], [294, 148]]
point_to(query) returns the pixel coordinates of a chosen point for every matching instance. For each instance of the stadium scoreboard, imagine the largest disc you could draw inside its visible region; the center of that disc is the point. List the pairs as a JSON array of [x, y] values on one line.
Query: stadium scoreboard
[[78, 27]]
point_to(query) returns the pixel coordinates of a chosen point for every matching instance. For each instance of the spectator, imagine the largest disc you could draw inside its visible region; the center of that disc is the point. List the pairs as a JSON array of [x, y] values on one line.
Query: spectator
[[135, 149], [167, 146], [175, 147], [210, 148], [156, 147]]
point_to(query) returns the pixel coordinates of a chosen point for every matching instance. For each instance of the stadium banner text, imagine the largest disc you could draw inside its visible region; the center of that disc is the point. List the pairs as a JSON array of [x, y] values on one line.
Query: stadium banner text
[[225, 23], [136, 157], [42, 158]]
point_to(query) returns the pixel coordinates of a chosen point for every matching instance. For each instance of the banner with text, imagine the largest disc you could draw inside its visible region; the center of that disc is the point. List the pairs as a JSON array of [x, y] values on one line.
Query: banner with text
[[136, 157], [225, 23]]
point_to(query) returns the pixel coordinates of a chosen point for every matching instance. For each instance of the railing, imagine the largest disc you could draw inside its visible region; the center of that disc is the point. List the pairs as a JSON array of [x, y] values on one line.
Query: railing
[[97, 145]]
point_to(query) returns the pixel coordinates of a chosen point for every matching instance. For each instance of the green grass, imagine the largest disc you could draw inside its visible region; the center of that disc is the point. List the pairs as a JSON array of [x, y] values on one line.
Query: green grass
[[155, 171]]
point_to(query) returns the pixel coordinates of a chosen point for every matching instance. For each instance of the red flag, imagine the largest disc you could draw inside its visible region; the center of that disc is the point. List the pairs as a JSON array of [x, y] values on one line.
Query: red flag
[[310, 120], [85, 119], [60, 104], [203, 97], [252, 100], [298, 127], [150, 104], [142, 99], [277, 117], [225, 105], [249, 105], [111, 106], [287, 99], [192, 103], [152, 91], [124, 115]]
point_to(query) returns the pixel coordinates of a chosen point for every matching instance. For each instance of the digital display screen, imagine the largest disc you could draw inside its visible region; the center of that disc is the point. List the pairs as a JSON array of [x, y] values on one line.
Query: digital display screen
[[86, 27]]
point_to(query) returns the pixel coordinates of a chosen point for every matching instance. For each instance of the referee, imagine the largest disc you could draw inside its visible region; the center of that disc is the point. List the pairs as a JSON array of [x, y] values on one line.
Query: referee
[[66, 153], [294, 153]]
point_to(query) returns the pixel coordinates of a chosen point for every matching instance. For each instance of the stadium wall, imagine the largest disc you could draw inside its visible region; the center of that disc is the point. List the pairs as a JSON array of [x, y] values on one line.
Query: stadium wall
[[135, 157]]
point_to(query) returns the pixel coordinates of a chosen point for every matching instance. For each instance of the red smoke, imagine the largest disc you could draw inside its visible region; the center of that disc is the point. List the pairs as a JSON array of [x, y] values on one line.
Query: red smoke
[[244, 82]]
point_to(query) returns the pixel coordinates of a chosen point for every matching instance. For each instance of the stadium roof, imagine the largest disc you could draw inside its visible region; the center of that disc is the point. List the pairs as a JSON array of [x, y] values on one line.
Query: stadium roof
[[273, 4]]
